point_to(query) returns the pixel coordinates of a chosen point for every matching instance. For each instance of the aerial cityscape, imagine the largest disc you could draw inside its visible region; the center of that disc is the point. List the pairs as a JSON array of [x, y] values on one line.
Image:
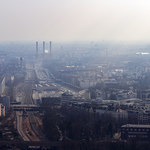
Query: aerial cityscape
[[74, 75], [63, 95]]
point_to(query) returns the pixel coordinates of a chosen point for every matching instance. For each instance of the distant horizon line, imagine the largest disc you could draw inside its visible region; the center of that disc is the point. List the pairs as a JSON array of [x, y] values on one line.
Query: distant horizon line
[[77, 41]]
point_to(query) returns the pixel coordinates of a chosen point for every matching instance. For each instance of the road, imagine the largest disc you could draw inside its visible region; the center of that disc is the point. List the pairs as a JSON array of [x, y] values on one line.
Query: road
[[32, 131], [23, 126]]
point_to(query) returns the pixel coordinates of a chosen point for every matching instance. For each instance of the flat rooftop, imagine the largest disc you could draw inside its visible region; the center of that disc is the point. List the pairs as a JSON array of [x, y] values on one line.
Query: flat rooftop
[[135, 126]]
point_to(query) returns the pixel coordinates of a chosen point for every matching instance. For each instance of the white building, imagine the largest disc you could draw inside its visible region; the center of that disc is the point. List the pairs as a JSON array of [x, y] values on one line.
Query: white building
[[2, 85]]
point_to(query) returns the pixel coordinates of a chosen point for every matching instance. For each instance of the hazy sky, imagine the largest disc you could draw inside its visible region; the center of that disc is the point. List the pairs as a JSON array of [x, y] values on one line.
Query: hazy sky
[[75, 20]]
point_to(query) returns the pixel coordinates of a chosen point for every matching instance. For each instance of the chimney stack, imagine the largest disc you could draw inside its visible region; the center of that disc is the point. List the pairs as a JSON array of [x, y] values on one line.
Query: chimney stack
[[37, 48], [43, 47], [50, 47]]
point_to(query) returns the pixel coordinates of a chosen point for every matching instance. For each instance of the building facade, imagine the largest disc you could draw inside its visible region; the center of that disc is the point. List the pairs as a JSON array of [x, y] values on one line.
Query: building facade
[[135, 132]]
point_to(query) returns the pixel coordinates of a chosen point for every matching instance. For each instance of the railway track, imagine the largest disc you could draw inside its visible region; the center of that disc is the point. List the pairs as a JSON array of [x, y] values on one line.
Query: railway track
[[35, 127], [20, 128]]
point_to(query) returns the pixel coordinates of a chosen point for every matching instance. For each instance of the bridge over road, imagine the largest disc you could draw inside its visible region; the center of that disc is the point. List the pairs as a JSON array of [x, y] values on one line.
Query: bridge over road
[[30, 107]]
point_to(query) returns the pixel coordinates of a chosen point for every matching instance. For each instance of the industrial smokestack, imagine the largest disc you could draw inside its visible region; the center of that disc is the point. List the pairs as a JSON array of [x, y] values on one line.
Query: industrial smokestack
[[43, 47], [50, 47], [37, 48]]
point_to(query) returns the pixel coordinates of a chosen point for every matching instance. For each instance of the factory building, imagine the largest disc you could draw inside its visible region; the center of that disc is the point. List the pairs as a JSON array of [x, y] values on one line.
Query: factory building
[[2, 110], [50, 101], [5, 101], [66, 96], [135, 132]]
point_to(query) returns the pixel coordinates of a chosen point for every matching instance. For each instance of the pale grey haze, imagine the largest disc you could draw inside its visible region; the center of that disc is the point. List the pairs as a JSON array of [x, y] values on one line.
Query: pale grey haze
[[71, 20]]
